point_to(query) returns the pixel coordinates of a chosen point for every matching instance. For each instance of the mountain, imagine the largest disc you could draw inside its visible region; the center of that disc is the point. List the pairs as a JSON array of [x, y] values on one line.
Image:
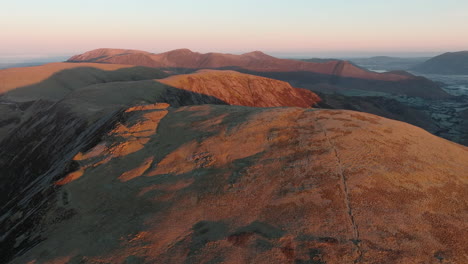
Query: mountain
[[92, 90], [57, 81], [236, 88], [40, 128], [92, 82], [256, 61], [386, 63], [310, 75], [106, 163], [234, 184], [54, 80], [450, 63]]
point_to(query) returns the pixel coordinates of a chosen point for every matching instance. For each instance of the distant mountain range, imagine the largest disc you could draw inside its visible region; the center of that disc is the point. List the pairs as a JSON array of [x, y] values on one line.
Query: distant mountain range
[[310, 75], [450, 63], [389, 63], [255, 61]]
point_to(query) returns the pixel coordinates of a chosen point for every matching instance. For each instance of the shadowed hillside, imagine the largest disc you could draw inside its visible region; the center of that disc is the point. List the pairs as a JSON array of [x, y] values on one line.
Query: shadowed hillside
[[55, 80], [451, 63], [380, 106]]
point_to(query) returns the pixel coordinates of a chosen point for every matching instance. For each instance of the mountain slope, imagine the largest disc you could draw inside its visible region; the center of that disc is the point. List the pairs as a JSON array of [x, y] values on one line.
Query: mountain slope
[[242, 89], [455, 63], [256, 185], [111, 170], [55, 80], [381, 106]]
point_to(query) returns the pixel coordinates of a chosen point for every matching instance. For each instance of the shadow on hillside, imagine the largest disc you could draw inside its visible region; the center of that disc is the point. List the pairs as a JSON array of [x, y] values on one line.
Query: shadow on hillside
[[40, 149], [417, 86], [62, 82]]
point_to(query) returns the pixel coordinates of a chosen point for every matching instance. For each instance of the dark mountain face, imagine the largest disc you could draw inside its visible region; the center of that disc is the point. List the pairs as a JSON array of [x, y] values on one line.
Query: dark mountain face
[[451, 63], [381, 106], [386, 63], [412, 86]]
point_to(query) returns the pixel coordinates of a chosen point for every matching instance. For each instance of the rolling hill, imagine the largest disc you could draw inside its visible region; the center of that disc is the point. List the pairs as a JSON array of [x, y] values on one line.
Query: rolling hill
[[235, 184], [55, 80], [230, 86], [450, 63]]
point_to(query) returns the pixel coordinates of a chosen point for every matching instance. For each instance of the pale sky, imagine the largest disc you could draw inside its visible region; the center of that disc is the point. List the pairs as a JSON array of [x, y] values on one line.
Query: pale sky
[[301, 27]]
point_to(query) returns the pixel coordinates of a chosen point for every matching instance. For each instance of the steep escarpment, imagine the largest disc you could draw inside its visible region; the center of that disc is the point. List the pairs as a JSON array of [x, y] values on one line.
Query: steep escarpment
[[257, 185], [450, 63]]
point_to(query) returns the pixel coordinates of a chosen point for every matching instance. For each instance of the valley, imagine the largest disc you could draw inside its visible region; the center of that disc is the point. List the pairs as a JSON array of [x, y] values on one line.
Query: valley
[[447, 114]]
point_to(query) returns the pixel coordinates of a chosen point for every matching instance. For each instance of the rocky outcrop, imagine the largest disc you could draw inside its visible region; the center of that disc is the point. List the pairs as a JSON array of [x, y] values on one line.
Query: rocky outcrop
[[256, 185]]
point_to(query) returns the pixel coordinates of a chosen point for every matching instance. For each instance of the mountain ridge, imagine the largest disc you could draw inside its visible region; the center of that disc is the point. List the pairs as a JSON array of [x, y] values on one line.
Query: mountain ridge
[[256, 60]]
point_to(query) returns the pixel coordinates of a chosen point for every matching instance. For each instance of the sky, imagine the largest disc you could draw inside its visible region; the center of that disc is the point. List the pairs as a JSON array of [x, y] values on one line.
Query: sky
[[319, 28]]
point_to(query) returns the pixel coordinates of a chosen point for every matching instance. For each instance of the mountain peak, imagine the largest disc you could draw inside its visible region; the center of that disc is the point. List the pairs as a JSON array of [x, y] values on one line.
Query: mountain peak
[[255, 54], [96, 54], [182, 51]]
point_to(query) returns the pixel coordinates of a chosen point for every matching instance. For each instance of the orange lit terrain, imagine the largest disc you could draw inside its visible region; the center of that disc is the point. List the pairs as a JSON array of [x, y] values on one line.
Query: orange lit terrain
[[257, 61], [291, 132], [231, 184], [242, 89], [105, 163]]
